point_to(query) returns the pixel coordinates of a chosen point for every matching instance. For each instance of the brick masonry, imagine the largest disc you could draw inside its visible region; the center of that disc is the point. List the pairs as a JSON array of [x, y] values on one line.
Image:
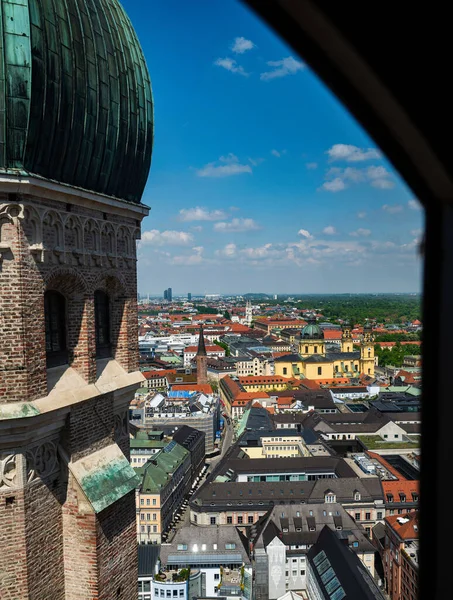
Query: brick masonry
[[54, 547]]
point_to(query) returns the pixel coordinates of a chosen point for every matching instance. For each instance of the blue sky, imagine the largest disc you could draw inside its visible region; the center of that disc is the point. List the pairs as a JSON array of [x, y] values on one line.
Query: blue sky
[[260, 180]]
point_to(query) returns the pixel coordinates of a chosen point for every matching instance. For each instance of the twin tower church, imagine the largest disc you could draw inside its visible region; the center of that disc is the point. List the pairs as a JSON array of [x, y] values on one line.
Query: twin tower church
[[314, 361]]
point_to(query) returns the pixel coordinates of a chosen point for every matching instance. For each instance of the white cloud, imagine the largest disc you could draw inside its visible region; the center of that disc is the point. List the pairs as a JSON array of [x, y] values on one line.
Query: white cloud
[[154, 237], [338, 178], [236, 225], [231, 65], [311, 165], [361, 215], [329, 230], [189, 259], [282, 68], [361, 232], [228, 251], [393, 209], [196, 228], [383, 184], [414, 205], [306, 234], [230, 166], [261, 252], [199, 213], [379, 178], [256, 161], [351, 153], [416, 232], [336, 185], [276, 153], [241, 45]]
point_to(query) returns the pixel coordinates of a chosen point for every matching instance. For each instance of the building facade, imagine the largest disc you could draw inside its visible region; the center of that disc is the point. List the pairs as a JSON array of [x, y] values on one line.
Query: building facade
[[72, 175], [165, 482], [315, 361]]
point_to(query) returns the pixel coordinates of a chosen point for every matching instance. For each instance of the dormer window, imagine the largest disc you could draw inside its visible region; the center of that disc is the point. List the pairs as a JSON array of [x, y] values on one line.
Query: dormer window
[[102, 324], [330, 497], [389, 497], [356, 496], [55, 326], [414, 497], [402, 497]]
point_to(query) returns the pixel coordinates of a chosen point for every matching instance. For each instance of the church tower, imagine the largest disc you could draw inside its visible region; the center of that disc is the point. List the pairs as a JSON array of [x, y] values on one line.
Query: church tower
[[76, 134], [346, 337], [367, 351], [248, 313], [202, 360], [311, 339]]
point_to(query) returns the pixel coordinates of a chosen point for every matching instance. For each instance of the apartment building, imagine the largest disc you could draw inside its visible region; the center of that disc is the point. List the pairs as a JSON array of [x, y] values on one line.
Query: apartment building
[[165, 482]]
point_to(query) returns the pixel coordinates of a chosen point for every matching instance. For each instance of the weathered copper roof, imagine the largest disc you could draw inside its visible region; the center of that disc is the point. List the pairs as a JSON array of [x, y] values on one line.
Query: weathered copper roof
[[75, 95]]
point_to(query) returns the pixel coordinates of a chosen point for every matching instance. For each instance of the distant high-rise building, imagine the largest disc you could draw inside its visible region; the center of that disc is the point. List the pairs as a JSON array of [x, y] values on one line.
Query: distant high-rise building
[[169, 295], [189, 296], [165, 294], [275, 296]]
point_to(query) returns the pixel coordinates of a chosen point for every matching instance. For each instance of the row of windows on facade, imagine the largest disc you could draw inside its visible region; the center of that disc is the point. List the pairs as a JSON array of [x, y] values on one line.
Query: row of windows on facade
[[147, 501], [145, 586], [55, 312], [346, 369], [148, 529]]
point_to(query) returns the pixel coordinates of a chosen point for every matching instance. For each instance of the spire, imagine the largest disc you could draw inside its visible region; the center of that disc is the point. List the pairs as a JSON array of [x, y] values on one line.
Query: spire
[[201, 347]]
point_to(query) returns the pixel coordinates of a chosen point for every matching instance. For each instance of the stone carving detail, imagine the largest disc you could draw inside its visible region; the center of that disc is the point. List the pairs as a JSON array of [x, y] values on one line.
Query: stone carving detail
[[61, 237], [42, 461], [8, 471], [121, 426]]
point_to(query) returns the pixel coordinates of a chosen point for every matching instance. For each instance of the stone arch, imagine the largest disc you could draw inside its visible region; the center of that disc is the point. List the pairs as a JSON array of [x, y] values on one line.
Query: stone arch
[[52, 231], [124, 242], [66, 280], [123, 317], [92, 236], [108, 239], [79, 318], [32, 225], [73, 233]]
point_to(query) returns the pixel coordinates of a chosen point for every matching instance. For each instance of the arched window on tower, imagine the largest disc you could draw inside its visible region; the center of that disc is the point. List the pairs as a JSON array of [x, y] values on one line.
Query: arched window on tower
[[102, 324], [315, 349], [306, 349], [55, 325]]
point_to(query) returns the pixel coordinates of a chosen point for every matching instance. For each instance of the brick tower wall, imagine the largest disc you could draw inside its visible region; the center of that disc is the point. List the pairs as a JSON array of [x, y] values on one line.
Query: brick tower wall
[[53, 545]]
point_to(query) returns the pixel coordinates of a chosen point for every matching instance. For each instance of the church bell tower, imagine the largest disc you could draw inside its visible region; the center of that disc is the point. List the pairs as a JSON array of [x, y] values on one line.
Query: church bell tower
[[76, 134], [367, 351]]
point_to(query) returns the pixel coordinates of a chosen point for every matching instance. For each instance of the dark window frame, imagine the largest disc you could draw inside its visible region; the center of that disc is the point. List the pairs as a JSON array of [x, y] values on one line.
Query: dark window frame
[[102, 324], [56, 330]]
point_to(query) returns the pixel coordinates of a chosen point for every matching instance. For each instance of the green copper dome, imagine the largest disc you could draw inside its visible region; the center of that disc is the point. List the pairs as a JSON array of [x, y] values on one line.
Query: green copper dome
[[75, 95], [311, 332]]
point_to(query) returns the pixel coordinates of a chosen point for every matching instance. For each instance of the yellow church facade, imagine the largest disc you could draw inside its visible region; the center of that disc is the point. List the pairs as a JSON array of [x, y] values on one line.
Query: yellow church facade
[[314, 362]]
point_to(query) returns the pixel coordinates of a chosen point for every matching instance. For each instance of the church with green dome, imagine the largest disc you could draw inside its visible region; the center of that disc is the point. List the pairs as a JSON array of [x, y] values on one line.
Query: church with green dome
[[76, 138], [314, 361]]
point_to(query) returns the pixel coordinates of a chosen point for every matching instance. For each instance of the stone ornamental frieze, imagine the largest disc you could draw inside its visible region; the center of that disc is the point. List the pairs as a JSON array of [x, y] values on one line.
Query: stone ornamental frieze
[[8, 471], [42, 461], [121, 426], [59, 237]]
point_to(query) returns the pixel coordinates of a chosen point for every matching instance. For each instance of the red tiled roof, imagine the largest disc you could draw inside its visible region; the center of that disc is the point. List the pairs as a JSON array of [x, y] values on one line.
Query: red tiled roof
[[159, 373], [332, 334], [407, 530], [214, 348]]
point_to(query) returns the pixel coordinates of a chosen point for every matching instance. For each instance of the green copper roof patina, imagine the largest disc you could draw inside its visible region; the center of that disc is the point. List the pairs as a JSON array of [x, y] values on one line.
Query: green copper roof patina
[[75, 96], [105, 476]]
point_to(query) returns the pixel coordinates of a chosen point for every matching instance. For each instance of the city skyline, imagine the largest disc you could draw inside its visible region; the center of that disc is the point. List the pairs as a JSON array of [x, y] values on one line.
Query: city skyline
[[251, 134]]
